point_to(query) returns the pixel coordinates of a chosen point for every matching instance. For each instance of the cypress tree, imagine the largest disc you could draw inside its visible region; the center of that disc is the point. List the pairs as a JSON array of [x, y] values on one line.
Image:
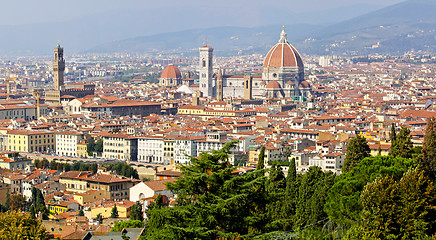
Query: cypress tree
[[393, 134], [114, 213], [403, 144], [429, 149], [261, 161]]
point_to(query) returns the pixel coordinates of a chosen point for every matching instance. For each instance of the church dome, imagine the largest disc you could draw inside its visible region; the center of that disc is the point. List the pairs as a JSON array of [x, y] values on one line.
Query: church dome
[[171, 71], [283, 54], [273, 85]]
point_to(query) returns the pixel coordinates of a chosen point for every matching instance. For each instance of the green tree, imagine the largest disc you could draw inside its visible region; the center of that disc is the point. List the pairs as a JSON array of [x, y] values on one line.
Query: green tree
[[99, 146], [343, 204], [99, 218], [393, 134], [357, 149], [37, 204], [114, 212], [67, 167], [397, 209], [119, 226], [90, 146], [402, 146], [81, 213], [428, 160], [37, 163], [136, 213], [44, 163], [93, 167], [292, 172], [261, 159], [17, 225], [312, 195], [212, 202], [53, 165]]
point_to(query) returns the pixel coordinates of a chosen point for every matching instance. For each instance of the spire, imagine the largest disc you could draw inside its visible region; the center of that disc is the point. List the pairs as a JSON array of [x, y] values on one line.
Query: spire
[[283, 36], [220, 74]]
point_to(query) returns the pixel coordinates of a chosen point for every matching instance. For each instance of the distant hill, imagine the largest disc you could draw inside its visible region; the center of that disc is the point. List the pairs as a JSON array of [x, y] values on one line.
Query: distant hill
[[78, 35], [396, 29], [225, 40]]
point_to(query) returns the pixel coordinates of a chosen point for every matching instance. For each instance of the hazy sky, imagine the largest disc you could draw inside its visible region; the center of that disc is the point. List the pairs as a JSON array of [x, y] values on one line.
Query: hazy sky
[[33, 11]]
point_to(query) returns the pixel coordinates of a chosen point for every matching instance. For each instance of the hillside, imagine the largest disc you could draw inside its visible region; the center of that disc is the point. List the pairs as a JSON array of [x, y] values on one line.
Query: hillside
[[396, 29]]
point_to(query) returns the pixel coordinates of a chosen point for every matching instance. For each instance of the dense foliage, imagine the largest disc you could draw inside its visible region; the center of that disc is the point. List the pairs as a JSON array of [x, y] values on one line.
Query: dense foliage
[[357, 149], [16, 225], [37, 204], [122, 168], [382, 197], [119, 226]]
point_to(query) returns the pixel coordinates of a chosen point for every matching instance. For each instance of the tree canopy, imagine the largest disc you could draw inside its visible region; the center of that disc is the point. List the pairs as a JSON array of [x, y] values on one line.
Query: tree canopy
[[357, 149], [16, 225]]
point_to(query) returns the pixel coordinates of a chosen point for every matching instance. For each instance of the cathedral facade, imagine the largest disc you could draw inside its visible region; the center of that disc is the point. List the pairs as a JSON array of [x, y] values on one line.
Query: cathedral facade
[[282, 76]]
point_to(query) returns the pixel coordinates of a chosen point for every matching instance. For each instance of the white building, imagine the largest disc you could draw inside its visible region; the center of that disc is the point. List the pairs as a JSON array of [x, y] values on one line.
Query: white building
[[184, 147], [66, 143], [144, 190], [150, 149]]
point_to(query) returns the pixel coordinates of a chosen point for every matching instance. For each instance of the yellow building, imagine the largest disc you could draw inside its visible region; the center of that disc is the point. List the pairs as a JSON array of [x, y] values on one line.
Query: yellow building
[[60, 207], [82, 149], [91, 196], [105, 209], [384, 149], [23, 140]]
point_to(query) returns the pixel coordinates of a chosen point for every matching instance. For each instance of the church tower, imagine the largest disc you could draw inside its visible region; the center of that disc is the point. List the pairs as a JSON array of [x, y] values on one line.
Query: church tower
[[219, 86], [58, 67], [248, 87], [206, 71]]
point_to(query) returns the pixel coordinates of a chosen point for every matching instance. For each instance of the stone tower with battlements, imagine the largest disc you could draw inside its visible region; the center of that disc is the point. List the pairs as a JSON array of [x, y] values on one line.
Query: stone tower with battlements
[[58, 67]]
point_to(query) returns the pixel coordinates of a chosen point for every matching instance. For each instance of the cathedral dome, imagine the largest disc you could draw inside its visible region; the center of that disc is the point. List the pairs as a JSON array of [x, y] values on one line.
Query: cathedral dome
[[273, 85], [171, 71], [283, 54]]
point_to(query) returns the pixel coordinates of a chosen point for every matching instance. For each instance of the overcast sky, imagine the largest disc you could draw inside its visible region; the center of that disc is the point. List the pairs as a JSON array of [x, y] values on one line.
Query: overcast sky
[[16, 12]]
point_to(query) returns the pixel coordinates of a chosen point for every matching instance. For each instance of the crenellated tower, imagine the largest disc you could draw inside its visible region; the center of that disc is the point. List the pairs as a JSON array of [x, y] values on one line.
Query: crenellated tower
[[58, 67]]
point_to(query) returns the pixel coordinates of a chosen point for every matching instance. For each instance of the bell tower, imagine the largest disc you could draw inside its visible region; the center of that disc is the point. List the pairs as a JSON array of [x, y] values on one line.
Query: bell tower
[[58, 67], [206, 71]]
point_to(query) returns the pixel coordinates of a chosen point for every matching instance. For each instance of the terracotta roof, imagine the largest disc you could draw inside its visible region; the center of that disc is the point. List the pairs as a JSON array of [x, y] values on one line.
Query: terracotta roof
[[159, 185], [171, 71], [273, 85], [283, 54]]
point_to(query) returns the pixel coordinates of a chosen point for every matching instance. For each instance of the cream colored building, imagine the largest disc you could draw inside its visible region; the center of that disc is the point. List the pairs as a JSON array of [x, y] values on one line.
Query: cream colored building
[[120, 146], [105, 209], [66, 143], [91, 196]]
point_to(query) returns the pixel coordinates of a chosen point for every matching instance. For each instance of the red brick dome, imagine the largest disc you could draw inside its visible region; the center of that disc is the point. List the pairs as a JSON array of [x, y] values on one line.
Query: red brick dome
[[171, 71], [283, 54]]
